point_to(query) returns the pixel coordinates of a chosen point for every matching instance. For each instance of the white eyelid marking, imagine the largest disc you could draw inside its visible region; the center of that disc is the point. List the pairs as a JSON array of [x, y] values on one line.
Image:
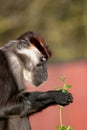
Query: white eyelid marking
[[43, 59]]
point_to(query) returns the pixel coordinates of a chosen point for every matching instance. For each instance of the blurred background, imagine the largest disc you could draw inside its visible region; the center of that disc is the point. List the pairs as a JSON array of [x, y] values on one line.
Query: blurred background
[[63, 25]]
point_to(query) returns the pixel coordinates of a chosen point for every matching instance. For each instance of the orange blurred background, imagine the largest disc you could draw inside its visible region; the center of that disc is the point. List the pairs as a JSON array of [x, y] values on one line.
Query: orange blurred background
[[75, 114], [63, 24]]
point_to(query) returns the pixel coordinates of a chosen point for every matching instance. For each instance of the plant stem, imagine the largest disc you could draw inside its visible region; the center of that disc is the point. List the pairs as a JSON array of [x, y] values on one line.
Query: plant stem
[[61, 123], [68, 128]]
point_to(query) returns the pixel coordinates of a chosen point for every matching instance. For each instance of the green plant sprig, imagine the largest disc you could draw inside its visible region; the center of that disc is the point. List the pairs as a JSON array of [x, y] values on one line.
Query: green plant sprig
[[64, 90]]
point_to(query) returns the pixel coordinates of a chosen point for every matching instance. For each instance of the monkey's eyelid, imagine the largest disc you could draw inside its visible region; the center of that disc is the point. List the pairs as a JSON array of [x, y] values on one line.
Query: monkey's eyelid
[[25, 42], [22, 44]]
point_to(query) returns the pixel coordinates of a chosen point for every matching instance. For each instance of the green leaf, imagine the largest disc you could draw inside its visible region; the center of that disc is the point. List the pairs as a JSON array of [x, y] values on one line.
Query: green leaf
[[62, 78], [64, 127], [64, 91], [69, 128], [61, 107], [66, 86], [57, 88]]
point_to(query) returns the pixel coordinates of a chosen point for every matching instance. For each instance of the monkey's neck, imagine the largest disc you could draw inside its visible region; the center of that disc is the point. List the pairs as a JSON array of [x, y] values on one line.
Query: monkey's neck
[[16, 68]]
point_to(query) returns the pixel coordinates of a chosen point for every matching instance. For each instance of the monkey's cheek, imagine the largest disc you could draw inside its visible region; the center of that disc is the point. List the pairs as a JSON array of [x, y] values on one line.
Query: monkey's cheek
[[38, 81]]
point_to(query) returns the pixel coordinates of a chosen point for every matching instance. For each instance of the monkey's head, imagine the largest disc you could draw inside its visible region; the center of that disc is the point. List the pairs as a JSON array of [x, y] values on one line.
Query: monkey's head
[[33, 53]]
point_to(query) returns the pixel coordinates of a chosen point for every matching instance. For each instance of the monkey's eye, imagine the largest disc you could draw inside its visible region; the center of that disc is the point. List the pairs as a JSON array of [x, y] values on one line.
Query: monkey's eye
[[43, 59], [23, 44]]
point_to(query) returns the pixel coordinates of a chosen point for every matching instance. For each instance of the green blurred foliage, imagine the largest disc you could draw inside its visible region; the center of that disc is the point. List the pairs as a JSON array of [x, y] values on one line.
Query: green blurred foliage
[[62, 23]]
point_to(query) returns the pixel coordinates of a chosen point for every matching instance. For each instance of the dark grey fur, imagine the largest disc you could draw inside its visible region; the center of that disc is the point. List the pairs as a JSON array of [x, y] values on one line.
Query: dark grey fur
[[15, 103]]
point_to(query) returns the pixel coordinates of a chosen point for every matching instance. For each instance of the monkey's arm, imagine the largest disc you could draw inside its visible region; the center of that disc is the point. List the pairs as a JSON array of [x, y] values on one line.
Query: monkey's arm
[[28, 103]]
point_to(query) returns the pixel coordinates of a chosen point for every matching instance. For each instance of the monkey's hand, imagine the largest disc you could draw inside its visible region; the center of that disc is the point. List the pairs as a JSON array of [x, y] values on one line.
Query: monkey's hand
[[63, 98]]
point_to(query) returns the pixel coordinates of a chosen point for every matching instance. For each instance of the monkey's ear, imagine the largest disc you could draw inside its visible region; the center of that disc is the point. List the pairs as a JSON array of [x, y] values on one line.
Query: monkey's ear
[[23, 44]]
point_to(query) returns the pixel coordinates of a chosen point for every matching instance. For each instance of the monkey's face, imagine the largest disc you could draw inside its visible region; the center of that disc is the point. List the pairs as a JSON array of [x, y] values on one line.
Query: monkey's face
[[34, 66], [33, 58]]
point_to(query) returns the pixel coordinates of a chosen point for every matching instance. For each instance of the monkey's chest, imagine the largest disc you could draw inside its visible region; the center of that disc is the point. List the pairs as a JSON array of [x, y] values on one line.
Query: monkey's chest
[[18, 123]]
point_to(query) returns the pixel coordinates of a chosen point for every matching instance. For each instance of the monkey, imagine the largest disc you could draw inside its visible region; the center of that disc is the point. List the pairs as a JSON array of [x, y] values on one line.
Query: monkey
[[24, 61]]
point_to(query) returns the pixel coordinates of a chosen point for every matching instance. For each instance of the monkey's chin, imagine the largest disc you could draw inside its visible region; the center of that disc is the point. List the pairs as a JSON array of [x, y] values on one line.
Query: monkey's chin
[[28, 83], [37, 84]]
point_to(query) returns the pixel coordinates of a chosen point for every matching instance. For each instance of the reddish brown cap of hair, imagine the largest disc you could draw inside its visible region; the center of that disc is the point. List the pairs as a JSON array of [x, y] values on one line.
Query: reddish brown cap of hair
[[37, 41]]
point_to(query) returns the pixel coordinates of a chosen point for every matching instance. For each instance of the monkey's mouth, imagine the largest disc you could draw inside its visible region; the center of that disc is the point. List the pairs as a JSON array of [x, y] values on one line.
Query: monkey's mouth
[[38, 81], [35, 82], [34, 79]]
